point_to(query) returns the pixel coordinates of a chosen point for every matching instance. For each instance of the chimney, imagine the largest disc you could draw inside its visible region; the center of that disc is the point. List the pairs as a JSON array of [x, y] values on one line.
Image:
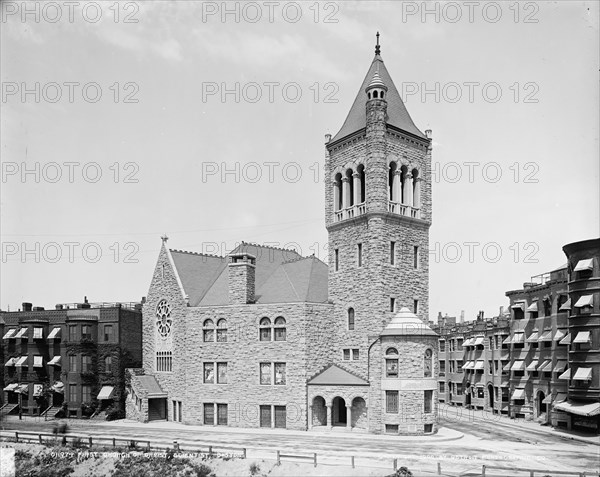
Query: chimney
[[242, 270], [27, 306]]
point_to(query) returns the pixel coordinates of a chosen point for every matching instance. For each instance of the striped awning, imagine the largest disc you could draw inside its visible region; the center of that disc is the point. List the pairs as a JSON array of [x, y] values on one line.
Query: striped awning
[[566, 340], [518, 393], [22, 361], [55, 361], [532, 366], [583, 374], [479, 364], [22, 333], [582, 337], [560, 366], [559, 335], [58, 387], [546, 336], [533, 307], [581, 409], [546, 366], [518, 338], [10, 362], [518, 365], [566, 374], [583, 265], [55, 333], [566, 306], [9, 334], [11, 387], [585, 300], [533, 337], [478, 341], [22, 389]]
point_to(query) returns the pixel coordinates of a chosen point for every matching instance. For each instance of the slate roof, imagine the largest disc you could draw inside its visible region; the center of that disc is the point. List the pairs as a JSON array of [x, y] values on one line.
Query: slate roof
[[336, 376], [397, 114], [282, 276], [150, 384]]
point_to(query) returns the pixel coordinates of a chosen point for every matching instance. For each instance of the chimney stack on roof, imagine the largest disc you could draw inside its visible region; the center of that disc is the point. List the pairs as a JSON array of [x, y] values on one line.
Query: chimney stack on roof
[[242, 278]]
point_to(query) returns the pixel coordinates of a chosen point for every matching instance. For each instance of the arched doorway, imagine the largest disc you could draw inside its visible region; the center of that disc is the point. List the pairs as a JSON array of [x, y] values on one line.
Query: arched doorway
[[339, 412], [319, 412], [359, 413], [491, 397], [541, 405]]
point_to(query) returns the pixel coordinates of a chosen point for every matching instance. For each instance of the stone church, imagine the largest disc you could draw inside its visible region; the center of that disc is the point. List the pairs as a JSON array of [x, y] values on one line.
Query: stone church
[[264, 337]]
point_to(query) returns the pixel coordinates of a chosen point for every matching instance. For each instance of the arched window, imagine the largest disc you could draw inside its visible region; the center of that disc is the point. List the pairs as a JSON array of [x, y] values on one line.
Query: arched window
[[222, 330], [361, 177], [350, 319], [208, 330], [382, 95], [349, 188], [369, 95], [392, 188], [375, 94], [416, 189], [265, 329], [337, 192], [391, 363], [427, 363], [280, 329], [403, 185]]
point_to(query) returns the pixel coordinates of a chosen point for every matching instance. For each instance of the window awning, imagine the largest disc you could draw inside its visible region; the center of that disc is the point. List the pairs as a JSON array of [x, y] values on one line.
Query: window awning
[[22, 333], [9, 334], [506, 367], [560, 366], [38, 362], [507, 340], [55, 333], [55, 361], [566, 340], [518, 338], [469, 365], [585, 300], [11, 387], [582, 265], [22, 389], [559, 335], [518, 305], [10, 362], [582, 337], [58, 387], [581, 409], [37, 390], [518, 393], [546, 336], [546, 366], [106, 393], [22, 361], [533, 337], [583, 374], [38, 333], [560, 397], [532, 307], [518, 365], [478, 341], [532, 366], [466, 365], [566, 306], [547, 399], [479, 364], [566, 374], [469, 342]]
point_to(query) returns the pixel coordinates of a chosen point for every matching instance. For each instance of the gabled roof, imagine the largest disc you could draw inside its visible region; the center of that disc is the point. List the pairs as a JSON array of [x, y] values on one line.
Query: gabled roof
[[333, 375], [282, 276], [150, 384], [396, 110]]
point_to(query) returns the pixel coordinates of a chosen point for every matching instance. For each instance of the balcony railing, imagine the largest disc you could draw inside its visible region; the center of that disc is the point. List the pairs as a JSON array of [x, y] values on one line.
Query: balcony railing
[[350, 212], [403, 209]]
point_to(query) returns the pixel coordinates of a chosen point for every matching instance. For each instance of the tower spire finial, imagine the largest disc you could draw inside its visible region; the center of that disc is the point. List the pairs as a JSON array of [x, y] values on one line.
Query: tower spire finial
[[377, 48]]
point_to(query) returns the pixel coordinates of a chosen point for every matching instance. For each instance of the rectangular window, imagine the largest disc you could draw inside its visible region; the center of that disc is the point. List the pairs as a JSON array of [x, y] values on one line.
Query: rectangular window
[[392, 304], [73, 393], [347, 354], [391, 368], [280, 334], [459, 344], [416, 257], [72, 332], [491, 342], [280, 375], [393, 253], [86, 393], [108, 333], [209, 373], [86, 364], [427, 401], [427, 428], [355, 354], [265, 334], [391, 428], [415, 306], [86, 332], [108, 364], [265, 373], [164, 361], [491, 367], [391, 401], [459, 388], [73, 363], [222, 373], [359, 254], [442, 367], [209, 414], [452, 366], [265, 416], [222, 414], [38, 333], [442, 387], [336, 253], [222, 335], [280, 417], [209, 335], [459, 366], [442, 345]]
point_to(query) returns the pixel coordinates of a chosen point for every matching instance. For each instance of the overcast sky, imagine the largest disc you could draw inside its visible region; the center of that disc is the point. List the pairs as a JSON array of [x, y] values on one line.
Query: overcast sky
[[140, 109]]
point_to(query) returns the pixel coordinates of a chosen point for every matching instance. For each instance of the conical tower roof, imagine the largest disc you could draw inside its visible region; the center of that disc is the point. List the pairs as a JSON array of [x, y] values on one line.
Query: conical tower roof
[[405, 323], [397, 114]]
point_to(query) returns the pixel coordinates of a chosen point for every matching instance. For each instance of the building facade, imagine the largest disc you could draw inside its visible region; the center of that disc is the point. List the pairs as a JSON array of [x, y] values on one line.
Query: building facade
[[69, 361], [266, 338]]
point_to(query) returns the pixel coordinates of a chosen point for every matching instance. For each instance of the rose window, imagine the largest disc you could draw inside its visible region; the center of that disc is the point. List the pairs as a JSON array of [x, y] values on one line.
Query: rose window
[[163, 318]]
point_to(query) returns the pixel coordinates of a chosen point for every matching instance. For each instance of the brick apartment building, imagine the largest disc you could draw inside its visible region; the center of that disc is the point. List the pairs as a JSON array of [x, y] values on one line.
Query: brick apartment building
[[266, 338], [68, 361]]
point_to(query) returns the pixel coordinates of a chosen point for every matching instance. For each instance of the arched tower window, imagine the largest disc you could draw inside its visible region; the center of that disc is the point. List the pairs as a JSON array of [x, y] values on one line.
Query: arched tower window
[[280, 329], [375, 94], [361, 177], [222, 330], [391, 363], [265, 329], [427, 370], [351, 319], [416, 188], [393, 188], [208, 330], [349, 188], [337, 192], [403, 185]]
